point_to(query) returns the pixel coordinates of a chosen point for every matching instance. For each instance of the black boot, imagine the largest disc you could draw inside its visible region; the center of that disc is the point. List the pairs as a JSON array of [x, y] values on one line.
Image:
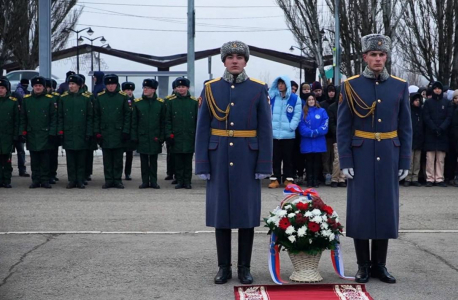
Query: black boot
[[363, 260], [246, 236], [378, 269], [223, 249]]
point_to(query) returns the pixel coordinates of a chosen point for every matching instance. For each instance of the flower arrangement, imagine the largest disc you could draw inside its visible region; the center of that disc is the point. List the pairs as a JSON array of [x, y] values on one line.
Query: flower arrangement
[[305, 224]]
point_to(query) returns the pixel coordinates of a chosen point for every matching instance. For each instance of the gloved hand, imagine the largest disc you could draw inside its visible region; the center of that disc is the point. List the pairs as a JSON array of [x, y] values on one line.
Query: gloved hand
[[402, 174], [261, 176], [125, 136], [348, 173], [438, 132], [171, 139], [205, 176]]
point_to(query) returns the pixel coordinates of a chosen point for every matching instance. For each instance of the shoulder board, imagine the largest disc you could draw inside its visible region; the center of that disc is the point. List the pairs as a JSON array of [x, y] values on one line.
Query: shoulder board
[[122, 93], [160, 99], [194, 98], [353, 77], [64, 94], [400, 79], [55, 93], [214, 80], [49, 96], [172, 97], [86, 95], [137, 99], [27, 96], [101, 93], [169, 96], [258, 81], [13, 98]]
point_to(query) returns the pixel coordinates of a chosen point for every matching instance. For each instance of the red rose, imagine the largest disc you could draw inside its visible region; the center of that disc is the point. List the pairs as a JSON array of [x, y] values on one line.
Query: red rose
[[328, 209], [314, 227], [284, 223], [302, 206]]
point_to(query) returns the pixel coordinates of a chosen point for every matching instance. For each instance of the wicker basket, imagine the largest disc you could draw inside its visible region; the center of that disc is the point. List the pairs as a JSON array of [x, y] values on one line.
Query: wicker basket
[[305, 267]]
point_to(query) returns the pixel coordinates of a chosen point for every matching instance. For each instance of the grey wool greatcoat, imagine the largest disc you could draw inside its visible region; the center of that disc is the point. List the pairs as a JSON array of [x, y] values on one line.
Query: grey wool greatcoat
[[233, 194], [373, 194]]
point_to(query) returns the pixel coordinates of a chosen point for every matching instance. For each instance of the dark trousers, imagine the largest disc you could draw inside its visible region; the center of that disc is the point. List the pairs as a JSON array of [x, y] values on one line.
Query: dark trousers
[[39, 163], [170, 161], [299, 162], [76, 165], [183, 167], [128, 166], [283, 152], [89, 163], [53, 162], [312, 166], [451, 168], [112, 165], [6, 169], [20, 157], [148, 165], [223, 246], [328, 156]]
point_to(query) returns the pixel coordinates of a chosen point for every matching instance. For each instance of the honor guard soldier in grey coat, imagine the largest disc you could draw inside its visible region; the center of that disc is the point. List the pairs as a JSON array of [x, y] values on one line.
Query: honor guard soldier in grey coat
[[129, 146], [38, 126], [374, 135], [112, 129], [180, 131], [9, 126], [148, 130], [234, 152], [75, 127]]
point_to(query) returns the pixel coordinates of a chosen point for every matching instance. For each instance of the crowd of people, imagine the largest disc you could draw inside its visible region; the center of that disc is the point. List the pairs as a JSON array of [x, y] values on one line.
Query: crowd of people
[[81, 122]]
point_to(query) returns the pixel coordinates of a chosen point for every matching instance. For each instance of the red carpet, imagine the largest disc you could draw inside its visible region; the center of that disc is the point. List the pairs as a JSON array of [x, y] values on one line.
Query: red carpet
[[302, 291]]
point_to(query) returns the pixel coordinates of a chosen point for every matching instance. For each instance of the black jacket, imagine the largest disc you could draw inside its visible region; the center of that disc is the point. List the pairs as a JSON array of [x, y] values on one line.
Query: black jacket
[[332, 114], [455, 127], [437, 118], [418, 137]]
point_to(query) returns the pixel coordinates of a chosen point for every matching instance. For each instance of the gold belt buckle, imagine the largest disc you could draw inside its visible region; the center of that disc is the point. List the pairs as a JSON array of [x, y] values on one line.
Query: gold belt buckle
[[378, 136], [230, 133]]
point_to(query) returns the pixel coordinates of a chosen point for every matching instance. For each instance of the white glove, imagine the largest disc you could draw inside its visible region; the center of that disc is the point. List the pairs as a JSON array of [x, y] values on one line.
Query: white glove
[[348, 173], [204, 176], [261, 176], [402, 174]]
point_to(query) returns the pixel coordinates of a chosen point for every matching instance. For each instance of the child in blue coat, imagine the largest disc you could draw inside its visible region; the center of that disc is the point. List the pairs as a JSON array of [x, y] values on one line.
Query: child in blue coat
[[313, 128]]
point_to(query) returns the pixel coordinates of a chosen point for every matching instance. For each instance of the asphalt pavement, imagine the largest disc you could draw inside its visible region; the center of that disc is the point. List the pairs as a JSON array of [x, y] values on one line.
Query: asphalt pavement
[[153, 244]]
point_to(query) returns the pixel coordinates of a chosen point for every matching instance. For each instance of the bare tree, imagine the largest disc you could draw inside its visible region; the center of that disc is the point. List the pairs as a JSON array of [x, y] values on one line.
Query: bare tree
[[24, 46], [302, 19]]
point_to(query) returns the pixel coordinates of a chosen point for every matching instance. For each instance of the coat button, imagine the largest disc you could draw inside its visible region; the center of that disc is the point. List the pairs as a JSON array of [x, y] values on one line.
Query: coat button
[[232, 103], [379, 101], [231, 164], [232, 86], [231, 144], [378, 158], [376, 82], [232, 123], [379, 120]]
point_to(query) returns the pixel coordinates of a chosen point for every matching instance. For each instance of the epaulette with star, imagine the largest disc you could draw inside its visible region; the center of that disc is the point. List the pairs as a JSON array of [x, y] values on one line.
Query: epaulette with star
[[55, 94], [64, 94], [86, 95], [28, 95], [213, 80], [122, 93], [171, 97], [49, 96], [160, 99], [13, 98], [101, 93], [138, 99]]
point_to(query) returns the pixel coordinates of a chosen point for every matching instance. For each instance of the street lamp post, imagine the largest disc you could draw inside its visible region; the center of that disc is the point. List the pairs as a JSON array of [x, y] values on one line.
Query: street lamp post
[[104, 46], [102, 39], [300, 62], [90, 32]]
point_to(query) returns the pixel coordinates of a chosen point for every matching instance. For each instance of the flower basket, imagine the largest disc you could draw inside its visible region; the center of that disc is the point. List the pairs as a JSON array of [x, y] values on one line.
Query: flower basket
[[305, 267], [304, 226]]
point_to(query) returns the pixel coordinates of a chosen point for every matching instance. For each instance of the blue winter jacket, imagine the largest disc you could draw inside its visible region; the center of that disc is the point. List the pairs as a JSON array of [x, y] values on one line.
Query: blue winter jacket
[[313, 130], [282, 127]]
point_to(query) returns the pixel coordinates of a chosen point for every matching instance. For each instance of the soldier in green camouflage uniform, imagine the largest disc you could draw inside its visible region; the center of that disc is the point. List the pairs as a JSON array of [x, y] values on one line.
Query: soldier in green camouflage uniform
[[75, 126], [38, 124], [129, 146], [170, 157], [9, 125], [148, 122], [180, 131], [112, 128]]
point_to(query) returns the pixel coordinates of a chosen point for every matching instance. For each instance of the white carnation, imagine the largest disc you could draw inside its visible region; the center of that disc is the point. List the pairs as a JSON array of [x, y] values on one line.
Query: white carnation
[[326, 232], [325, 219], [273, 219], [308, 214], [334, 214], [287, 207], [292, 238], [301, 231], [317, 219], [277, 222], [290, 230], [296, 201], [332, 237], [297, 211], [291, 215], [316, 212], [324, 225], [282, 213]]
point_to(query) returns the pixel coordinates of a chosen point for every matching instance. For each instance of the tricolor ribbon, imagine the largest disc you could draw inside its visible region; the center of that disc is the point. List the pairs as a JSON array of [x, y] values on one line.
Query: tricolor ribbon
[[337, 262], [274, 261]]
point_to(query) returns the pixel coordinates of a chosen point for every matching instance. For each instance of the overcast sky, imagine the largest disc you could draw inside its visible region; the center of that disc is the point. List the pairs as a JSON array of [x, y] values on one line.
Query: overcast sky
[[159, 27]]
